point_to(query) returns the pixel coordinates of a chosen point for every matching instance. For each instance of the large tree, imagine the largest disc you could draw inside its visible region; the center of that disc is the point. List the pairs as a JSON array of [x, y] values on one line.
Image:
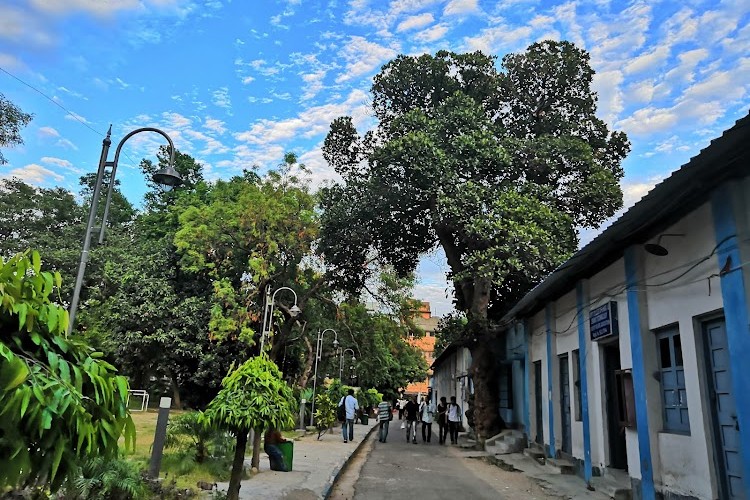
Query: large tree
[[498, 168], [12, 120]]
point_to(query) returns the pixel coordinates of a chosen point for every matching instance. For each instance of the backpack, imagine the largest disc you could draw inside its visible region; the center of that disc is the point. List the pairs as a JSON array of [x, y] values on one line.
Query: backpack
[[341, 411]]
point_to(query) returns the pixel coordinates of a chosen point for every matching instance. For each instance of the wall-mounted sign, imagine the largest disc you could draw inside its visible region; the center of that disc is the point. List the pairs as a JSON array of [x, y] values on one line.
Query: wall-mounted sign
[[603, 321]]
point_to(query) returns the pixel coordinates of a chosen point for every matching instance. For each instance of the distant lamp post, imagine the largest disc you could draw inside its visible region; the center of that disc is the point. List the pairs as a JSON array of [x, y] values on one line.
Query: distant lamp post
[[341, 362], [167, 177], [318, 352], [268, 311]]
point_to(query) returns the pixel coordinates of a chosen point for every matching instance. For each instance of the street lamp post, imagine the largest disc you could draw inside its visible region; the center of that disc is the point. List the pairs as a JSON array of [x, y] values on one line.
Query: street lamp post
[[268, 311], [166, 177], [341, 361], [318, 352]]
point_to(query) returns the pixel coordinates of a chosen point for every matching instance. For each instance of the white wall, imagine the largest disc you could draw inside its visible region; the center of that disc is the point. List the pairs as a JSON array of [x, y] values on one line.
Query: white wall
[[685, 460]]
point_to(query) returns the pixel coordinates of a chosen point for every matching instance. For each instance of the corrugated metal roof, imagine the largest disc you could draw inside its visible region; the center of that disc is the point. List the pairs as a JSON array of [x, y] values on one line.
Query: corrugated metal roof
[[727, 157]]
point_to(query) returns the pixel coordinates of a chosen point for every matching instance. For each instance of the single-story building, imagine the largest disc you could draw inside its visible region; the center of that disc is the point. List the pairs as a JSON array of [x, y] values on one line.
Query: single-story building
[[630, 356]]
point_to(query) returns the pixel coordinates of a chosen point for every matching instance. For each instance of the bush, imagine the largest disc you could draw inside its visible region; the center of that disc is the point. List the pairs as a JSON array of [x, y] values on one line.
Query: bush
[[189, 434], [107, 479], [325, 413]]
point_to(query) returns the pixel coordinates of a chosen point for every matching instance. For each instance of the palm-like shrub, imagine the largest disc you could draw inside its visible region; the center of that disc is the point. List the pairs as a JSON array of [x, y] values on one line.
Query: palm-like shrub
[[189, 434], [107, 479]]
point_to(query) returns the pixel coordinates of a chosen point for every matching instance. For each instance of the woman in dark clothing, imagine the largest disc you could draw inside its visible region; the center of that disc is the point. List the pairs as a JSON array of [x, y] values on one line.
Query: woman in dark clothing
[[270, 445], [442, 408]]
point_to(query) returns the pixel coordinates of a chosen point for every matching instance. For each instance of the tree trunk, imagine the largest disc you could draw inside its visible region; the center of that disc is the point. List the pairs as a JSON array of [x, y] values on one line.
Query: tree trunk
[[256, 448], [176, 401], [484, 373], [233, 493], [307, 370]]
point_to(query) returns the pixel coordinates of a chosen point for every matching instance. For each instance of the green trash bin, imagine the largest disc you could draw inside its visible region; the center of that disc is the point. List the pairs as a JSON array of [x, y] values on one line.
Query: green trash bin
[[287, 451], [364, 419]]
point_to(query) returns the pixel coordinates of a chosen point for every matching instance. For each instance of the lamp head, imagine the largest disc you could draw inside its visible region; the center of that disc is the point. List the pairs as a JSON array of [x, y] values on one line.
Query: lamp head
[[167, 177], [294, 311], [353, 360], [656, 248], [335, 343]]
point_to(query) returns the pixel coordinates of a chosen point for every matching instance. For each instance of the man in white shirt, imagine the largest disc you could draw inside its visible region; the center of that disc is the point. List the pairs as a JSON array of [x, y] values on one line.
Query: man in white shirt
[[351, 406], [426, 411]]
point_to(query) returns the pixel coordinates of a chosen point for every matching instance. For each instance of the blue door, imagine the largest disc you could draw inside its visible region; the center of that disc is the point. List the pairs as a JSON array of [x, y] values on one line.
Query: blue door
[[565, 404], [725, 424]]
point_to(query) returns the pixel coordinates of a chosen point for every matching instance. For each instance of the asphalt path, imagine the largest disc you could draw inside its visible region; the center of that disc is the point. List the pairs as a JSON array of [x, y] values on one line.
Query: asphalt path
[[398, 469]]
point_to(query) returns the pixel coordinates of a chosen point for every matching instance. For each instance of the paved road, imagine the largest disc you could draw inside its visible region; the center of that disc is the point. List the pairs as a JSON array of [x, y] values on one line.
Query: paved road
[[398, 469]]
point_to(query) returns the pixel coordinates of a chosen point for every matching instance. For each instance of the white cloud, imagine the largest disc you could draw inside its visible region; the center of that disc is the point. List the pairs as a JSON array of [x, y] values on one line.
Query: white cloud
[[362, 57], [76, 117], [432, 33], [499, 38], [57, 162], [458, 7], [214, 125], [34, 174], [96, 7], [413, 22], [247, 79], [175, 120], [221, 98], [688, 61], [649, 62], [48, 132], [607, 86], [309, 123]]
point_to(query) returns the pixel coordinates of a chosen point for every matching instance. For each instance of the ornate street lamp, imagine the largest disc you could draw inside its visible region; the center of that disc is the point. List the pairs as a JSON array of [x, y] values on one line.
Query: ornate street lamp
[[268, 311], [341, 362], [318, 352], [166, 177]]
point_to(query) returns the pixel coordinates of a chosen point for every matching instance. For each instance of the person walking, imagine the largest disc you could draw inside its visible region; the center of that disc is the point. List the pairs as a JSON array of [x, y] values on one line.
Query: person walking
[[401, 406], [454, 419], [442, 409], [411, 412], [351, 406], [426, 412], [385, 415]]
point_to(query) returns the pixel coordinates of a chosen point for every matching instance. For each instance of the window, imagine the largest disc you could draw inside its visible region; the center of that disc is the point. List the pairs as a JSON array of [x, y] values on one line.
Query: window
[[577, 385], [672, 380]]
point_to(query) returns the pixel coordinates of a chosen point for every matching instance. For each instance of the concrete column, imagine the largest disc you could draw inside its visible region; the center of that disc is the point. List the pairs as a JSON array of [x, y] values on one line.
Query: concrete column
[[582, 308], [160, 435]]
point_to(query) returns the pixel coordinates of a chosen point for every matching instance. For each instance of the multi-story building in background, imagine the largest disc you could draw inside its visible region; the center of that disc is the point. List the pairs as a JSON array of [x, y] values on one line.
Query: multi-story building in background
[[424, 319]]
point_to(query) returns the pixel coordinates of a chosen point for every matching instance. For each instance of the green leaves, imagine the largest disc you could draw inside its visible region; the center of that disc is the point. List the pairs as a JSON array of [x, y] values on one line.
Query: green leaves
[[55, 397], [253, 396]]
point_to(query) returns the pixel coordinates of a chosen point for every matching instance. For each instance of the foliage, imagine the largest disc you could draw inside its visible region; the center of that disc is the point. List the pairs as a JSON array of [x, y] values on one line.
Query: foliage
[[107, 479], [189, 433], [60, 402], [48, 220], [325, 413], [496, 168], [12, 120], [450, 329], [252, 396]]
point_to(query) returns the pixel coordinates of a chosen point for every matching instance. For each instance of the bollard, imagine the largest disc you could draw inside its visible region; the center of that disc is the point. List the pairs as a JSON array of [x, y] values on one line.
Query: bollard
[[302, 415], [159, 437]]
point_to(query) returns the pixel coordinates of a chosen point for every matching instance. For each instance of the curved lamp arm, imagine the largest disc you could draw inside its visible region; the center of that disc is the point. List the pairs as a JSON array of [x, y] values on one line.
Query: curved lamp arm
[[172, 173], [268, 318]]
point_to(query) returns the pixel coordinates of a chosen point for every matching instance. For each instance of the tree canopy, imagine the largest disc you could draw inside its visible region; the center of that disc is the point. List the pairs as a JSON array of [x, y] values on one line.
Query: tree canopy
[[497, 167], [12, 120]]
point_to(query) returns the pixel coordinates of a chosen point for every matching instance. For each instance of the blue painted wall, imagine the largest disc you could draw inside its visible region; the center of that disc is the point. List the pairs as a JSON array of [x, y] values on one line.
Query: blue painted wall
[[736, 315], [648, 491], [582, 353]]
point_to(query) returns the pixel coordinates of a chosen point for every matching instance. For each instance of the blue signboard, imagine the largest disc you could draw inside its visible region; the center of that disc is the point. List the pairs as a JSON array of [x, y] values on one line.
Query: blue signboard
[[603, 321]]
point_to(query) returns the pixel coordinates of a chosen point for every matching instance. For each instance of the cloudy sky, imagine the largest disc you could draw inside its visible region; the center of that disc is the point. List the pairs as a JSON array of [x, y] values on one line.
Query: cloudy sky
[[238, 83]]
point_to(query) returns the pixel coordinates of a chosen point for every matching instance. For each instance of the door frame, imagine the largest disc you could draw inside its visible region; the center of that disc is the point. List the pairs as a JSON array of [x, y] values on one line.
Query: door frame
[[714, 447], [566, 421], [538, 403]]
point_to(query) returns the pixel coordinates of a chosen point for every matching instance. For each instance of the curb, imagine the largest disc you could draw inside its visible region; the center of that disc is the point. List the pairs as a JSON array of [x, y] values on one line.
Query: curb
[[337, 473]]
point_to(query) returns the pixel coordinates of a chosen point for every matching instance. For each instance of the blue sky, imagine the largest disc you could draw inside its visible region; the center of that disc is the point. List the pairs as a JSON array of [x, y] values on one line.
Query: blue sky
[[238, 83]]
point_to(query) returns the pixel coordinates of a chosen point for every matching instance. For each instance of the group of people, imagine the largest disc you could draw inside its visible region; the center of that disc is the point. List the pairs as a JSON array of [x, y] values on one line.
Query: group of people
[[448, 417]]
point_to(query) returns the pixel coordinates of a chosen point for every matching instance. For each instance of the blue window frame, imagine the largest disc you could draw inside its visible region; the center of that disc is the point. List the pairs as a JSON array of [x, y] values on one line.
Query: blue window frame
[[672, 379]]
